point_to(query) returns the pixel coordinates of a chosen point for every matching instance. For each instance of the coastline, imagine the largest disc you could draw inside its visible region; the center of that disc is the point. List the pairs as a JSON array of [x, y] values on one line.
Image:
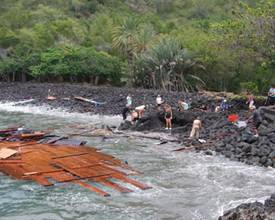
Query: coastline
[[249, 148]]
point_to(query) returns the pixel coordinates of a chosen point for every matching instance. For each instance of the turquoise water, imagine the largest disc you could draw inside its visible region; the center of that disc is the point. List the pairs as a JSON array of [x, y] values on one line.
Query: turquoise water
[[185, 185]]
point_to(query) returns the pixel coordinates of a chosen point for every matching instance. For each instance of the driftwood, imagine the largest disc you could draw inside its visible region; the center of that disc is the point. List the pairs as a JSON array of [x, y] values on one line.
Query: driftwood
[[196, 147], [154, 136]]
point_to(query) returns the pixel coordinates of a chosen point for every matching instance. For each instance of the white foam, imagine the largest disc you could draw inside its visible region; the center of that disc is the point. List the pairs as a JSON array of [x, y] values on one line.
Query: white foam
[[59, 113]]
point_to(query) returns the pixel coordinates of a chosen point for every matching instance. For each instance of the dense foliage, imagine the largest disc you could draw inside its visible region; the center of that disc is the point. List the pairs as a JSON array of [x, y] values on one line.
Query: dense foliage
[[165, 44]]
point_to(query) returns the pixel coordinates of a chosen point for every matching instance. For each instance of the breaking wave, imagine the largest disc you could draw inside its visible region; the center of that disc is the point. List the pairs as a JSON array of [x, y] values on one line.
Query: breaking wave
[[26, 107]]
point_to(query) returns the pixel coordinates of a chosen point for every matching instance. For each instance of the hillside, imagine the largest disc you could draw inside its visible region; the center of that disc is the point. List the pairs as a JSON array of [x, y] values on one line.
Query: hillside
[[163, 44]]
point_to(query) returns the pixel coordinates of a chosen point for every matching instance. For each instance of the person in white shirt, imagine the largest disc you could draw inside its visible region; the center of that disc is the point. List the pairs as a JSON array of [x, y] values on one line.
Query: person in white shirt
[[129, 101], [159, 100], [128, 106]]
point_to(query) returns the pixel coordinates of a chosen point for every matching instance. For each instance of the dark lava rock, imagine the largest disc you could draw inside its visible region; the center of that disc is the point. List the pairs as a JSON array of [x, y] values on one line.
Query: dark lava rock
[[252, 211]]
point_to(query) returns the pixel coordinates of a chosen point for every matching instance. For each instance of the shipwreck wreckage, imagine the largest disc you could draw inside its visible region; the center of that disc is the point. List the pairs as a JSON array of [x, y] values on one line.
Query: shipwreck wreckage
[[48, 160]]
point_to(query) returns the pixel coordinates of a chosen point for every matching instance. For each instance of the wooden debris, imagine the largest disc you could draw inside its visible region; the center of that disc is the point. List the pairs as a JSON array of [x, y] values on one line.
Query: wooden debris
[[6, 153], [47, 164], [89, 100], [51, 98]]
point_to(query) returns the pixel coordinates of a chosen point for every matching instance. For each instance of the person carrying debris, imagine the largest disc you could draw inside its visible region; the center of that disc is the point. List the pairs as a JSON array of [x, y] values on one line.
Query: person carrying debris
[[197, 125], [257, 119], [271, 95], [127, 108], [168, 115]]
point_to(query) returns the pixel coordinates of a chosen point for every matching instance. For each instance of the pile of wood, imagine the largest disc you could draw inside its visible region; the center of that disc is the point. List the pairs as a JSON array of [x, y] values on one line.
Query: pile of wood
[[48, 164]]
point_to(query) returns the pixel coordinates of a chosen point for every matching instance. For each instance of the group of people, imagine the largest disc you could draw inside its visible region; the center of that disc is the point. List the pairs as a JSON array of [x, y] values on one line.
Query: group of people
[[257, 113], [183, 105], [138, 112]]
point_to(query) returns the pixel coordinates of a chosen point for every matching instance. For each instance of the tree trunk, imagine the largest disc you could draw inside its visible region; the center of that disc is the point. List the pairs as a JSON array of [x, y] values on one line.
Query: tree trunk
[[96, 80], [23, 77], [13, 76]]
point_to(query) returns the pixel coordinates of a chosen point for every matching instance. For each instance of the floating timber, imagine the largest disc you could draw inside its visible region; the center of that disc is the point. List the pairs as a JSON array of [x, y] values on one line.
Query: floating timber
[[48, 164]]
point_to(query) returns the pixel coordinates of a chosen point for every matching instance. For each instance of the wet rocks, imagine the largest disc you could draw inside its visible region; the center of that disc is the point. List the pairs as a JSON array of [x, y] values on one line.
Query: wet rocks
[[252, 211], [244, 146]]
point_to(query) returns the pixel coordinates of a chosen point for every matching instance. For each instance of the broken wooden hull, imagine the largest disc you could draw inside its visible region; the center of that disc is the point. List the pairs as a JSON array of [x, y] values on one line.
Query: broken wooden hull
[[48, 164]]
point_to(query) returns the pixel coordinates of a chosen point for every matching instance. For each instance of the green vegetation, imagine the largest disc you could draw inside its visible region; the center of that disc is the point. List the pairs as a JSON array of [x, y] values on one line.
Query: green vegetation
[[164, 44]]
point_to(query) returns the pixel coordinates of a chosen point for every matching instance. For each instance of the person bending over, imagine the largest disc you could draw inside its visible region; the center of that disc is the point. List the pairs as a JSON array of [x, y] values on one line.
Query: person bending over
[[183, 106], [140, 110], [134, 117], [195, 132]]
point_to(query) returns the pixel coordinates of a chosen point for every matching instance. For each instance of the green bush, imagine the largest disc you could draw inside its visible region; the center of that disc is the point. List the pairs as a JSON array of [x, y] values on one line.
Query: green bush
[[78, 64]]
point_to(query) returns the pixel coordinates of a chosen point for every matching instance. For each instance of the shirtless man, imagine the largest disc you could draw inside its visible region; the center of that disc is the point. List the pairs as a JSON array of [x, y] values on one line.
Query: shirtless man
[[195, 132]]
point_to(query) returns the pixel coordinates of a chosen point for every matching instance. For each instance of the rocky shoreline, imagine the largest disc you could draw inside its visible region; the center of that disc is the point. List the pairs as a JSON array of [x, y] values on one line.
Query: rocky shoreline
[[252, 211], [222, 136], [114, 98]]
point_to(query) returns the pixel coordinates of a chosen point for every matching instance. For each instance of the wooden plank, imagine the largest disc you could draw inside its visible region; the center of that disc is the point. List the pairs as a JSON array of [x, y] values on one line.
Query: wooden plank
[[87, 172], [131, 181], [34, 135], [115, 186], [92, 188], [41, 180], [69, 155], [14, 170], [60, 176], [6, 153], [10, 161]]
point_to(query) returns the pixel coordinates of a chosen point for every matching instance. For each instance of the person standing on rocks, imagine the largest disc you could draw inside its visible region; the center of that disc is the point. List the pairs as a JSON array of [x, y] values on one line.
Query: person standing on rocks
[[159, 102], [168, 115], [271, 95], [195, 132], [257, 120], [250, 102], [129, 102], [224, 105]]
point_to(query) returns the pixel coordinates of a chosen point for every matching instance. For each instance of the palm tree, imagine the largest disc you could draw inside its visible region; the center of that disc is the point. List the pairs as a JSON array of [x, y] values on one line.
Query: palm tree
[[125, 38], [169, 66]]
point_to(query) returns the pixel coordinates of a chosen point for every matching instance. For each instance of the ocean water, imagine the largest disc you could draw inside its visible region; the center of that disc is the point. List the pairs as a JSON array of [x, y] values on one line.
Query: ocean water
[[188, 186]]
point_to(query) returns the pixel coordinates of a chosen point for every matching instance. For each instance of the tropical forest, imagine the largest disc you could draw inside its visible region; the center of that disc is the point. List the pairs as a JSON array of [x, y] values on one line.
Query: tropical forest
[[172, 45]]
